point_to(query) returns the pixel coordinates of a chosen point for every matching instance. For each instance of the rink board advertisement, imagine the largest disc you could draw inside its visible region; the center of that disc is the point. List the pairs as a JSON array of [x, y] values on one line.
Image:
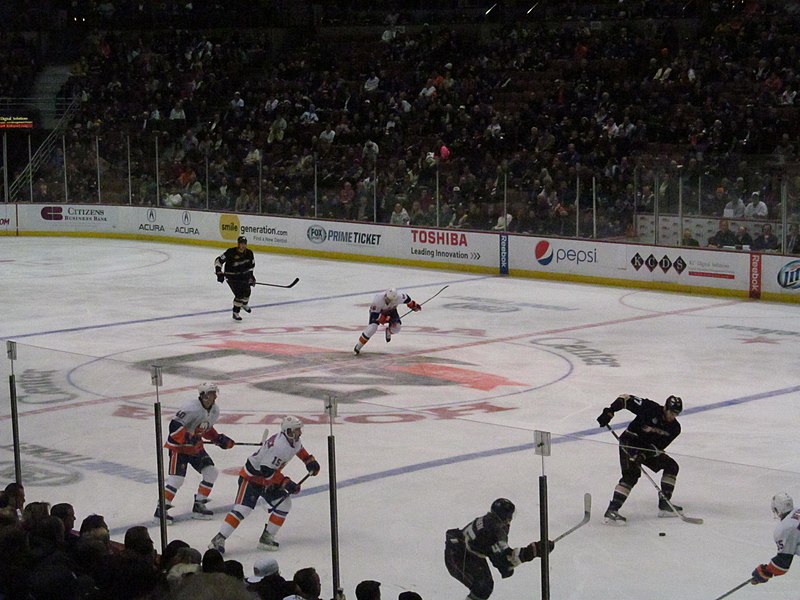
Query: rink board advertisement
[[620, 263], [708, 271], [8, 219], [780, 278]]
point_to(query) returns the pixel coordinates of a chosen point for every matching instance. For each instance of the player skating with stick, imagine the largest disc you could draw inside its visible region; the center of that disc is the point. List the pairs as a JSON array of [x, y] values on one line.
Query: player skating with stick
[[383, 311], [239, 263], [190, 426], [643, 444], [467, 549], [262, 477]]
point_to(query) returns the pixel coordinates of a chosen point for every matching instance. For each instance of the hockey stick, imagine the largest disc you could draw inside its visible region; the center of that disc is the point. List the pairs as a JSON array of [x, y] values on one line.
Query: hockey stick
[[587, 514], [695, 520], [294, 283], [738, 587], [426, 301], [264, 437]]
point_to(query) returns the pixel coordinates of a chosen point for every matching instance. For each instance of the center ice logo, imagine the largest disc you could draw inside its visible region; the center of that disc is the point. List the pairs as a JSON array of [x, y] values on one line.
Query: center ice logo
[[544, 253]]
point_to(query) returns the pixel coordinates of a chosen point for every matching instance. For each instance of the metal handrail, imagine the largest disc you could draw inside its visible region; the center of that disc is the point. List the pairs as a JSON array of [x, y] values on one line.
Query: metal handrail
[[43, 152]]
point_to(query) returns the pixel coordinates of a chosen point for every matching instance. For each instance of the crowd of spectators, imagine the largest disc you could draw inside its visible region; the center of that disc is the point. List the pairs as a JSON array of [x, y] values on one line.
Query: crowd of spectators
[[44, 557], [461, 125]]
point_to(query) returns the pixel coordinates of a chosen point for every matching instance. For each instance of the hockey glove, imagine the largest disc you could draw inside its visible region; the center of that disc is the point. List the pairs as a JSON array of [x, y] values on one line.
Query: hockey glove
[[220, 277], [605, 418], [414, 306], [528, 553], [313, 467], [383, 319], [540, 546], [506, 572], [761, 574], [224, 442], [291, 487]]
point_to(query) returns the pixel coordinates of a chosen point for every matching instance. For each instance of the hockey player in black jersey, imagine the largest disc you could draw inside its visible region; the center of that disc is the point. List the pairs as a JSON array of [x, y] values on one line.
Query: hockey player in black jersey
[[239, 263], [643, 444], [466, 550]]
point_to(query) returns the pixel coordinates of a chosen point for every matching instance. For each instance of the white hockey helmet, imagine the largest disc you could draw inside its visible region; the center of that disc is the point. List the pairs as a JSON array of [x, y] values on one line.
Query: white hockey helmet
[[207, 388], [292, 427], [391, 296], [782, 504]]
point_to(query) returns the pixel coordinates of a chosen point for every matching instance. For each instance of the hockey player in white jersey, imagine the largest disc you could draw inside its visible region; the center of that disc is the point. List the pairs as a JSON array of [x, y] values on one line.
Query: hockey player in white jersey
[[190, 426], [262, 477], [787, 539], [383, 311]]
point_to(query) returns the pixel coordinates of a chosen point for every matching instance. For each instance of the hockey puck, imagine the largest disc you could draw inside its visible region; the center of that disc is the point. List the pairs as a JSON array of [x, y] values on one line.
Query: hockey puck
[[662, 534]]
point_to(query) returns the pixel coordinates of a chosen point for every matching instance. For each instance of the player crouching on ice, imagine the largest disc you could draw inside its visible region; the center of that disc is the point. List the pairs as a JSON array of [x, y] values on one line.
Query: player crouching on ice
[[262, 477], [466, 550], [643, 444], [192, 424], [383, 311], [787, 538]]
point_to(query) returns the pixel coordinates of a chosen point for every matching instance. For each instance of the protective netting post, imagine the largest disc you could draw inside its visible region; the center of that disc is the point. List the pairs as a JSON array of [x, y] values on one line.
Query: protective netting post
[[542, 448], [330, 409], [11, 351], [157, 381]]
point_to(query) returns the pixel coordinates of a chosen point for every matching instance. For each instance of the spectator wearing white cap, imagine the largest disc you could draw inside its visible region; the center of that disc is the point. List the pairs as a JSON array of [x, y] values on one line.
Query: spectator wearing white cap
[[756, 208], [267, 581]]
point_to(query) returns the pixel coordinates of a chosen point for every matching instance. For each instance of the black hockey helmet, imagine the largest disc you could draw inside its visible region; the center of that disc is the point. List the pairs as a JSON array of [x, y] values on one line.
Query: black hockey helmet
[[503, 508], [674, 404], [241, 240]]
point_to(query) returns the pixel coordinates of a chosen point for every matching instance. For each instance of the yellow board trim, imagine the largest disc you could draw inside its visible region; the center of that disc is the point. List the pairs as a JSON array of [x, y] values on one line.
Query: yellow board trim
[[442, 266]]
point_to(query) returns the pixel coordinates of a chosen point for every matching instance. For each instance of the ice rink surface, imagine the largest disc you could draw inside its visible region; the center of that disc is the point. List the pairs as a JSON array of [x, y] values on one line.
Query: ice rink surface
[[431, 427]]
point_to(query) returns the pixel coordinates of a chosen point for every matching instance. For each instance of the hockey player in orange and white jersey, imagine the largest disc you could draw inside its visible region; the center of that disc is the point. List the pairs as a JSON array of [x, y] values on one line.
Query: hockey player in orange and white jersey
[[787, 539], [262, 477], [383, 311], [190, 426]]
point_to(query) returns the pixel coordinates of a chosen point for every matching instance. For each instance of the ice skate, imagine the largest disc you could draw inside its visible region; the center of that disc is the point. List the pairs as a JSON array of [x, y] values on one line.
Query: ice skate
[[217, 543], [388, 335], [167, 517], [612, 517], [247, 309], [199, 510], [267, 542], [236, 316], [357, 349], [666, 512]]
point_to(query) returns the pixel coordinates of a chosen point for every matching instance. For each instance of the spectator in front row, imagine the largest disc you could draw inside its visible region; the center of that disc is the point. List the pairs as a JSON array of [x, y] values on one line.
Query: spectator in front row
[[723, 237], [689, 240], [743, 238], [14, 499], [66, 513], [793, 240], [399, 215], [267, 580], [308, 585], [368, 590], [766, 241]]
